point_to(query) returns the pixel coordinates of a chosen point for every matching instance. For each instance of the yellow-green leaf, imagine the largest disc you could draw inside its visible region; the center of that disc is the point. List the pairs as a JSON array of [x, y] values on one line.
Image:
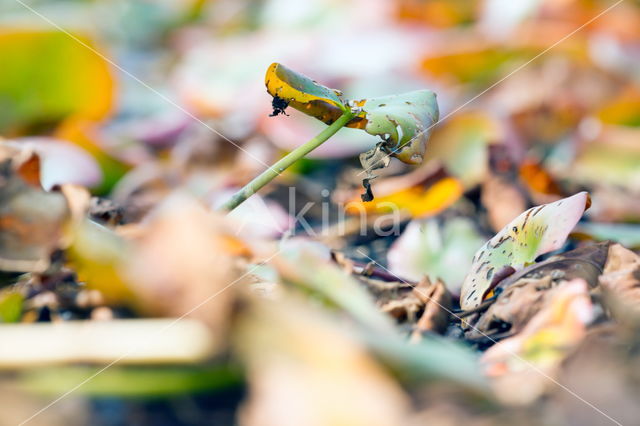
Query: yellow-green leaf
[[46, 76], [403, 121], [11, 306]]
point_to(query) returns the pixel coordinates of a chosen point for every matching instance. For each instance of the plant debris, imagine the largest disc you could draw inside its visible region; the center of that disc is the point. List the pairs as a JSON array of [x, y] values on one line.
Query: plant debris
[[451, 238]]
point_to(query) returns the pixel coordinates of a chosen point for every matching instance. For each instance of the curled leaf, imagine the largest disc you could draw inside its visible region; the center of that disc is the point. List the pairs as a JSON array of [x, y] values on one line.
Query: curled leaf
[[403, 121], [60, 162], [539, 230], [523, 294], [290, 88]]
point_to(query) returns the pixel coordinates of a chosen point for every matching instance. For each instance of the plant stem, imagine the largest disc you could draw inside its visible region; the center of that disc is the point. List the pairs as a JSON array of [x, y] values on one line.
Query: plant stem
[[282, 164]]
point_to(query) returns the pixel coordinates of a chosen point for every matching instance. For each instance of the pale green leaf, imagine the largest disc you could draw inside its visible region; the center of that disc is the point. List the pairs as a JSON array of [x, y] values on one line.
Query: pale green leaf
[[539, 230]]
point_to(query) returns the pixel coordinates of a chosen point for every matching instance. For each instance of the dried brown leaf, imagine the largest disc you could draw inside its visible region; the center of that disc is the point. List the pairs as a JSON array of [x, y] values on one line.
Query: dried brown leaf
[[620, 282], [524, 294], [437, 308]]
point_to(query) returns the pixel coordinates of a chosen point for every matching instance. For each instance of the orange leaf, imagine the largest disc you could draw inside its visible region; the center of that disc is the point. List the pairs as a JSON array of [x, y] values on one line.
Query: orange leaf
[[417, 200]]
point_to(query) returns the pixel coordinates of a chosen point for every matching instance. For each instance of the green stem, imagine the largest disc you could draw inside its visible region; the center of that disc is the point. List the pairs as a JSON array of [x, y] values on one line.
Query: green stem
[[275, 170]]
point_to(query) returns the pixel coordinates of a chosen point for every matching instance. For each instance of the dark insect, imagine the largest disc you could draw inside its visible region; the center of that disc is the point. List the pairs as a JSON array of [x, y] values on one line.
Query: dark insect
[[279, 105], [368, 195]]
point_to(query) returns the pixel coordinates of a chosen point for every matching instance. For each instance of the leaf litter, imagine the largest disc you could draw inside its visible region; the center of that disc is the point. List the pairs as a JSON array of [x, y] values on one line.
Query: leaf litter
[[495, 286]]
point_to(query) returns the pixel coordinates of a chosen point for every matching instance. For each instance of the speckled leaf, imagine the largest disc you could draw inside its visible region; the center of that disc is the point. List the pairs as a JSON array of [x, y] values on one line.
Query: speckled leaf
[[404, 121], [300, 92], [539, 230]]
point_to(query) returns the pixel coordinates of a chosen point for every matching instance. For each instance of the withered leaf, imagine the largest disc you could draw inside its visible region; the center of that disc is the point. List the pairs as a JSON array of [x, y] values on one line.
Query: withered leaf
[[437, 308], [620, 282], [523, 294]]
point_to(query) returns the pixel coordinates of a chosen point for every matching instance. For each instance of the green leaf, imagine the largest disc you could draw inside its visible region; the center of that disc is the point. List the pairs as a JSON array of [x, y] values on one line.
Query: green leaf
[[539, 230], [403, 121]]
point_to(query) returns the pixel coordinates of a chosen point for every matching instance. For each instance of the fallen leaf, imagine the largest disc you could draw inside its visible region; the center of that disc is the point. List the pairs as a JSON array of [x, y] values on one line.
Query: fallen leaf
[[461, 144], [537, 179], [610, 158], [172, 264], [301, 266], [178, 264], [476, 63], [620, 282], [537, 231], [521, 295], [437, 13], [503, 200], [425, 307], [418, 201], [97, 254], [437, 309], [623, 109], [605, 359], [512, 310], [437, 251], [86, 134], [296, 352], [432, 357], [60, 162], [543, 343], [32, 223], [35, 87]]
